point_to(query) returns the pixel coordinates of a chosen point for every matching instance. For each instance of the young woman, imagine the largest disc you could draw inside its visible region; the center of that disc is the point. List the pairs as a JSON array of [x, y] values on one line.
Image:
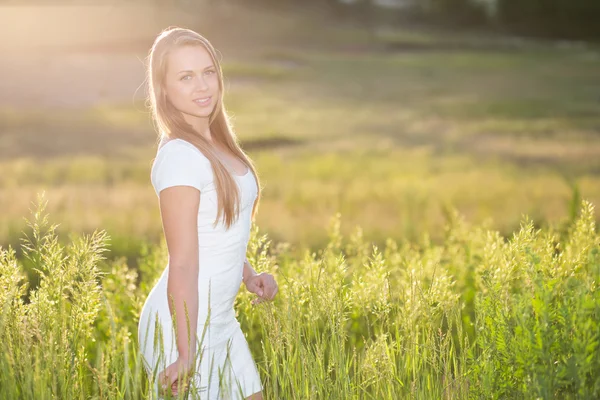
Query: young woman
[[208, 192]]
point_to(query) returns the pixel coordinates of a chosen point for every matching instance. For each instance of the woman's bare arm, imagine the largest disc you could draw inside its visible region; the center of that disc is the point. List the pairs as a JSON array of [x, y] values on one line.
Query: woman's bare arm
[[248, 271], [179, 213], [263, 284]]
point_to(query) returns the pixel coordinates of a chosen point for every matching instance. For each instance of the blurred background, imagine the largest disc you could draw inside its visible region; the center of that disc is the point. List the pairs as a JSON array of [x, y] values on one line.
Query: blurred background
[[393, 113]]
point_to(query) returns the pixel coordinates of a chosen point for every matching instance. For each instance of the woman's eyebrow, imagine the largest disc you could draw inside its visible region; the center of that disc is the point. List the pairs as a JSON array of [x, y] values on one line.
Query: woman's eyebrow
[[190, 71]]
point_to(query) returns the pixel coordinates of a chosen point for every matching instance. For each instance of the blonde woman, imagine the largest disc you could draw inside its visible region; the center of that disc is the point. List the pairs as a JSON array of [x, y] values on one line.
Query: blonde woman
[[208, 192]]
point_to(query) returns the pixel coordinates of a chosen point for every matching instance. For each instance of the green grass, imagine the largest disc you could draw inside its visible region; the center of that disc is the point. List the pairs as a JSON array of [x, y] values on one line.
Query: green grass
[[390, 193], [397, 296], [387, 138], [474, 316]]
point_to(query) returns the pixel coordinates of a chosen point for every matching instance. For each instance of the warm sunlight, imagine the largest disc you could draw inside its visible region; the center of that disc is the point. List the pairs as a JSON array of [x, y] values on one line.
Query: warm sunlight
[[330, 199]]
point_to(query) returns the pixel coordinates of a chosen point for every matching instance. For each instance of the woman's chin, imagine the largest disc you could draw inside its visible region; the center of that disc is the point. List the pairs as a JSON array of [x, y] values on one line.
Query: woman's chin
[[197, 114]]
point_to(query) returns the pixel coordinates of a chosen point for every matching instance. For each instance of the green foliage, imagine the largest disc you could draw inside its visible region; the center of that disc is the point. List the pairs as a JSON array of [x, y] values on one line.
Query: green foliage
[[477, 316], [559, 18], [464, 12]]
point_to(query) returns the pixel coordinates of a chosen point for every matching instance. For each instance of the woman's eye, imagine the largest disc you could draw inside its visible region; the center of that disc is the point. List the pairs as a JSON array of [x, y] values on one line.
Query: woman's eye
[[185, 77], [210, 72]]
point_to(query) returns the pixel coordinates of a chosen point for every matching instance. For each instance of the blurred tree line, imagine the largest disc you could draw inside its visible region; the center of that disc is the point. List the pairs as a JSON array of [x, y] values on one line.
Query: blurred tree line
[[576, 19], [568, 19]]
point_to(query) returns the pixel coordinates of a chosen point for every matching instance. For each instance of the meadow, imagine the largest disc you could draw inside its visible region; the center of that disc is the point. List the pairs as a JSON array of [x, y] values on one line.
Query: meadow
[[390, 135], [478, 316], [428, 211]]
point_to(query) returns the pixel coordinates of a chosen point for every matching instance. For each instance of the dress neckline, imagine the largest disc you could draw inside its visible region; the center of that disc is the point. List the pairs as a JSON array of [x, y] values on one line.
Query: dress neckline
[[232, 172], [242, 176]]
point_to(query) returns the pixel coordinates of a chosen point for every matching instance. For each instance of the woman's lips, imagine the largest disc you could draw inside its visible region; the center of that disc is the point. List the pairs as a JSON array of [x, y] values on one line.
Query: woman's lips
[[203, 101]]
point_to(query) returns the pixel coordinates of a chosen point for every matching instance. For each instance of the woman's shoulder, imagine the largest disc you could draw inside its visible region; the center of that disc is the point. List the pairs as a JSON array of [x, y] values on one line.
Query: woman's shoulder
[[179, 162], [180, 148]]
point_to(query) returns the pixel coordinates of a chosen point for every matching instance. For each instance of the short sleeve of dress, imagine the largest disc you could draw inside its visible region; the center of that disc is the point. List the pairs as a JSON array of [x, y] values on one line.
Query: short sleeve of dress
[[181, 164]]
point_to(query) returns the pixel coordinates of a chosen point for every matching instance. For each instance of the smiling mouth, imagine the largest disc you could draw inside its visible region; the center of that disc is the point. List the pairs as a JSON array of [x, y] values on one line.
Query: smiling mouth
[[203, 101]]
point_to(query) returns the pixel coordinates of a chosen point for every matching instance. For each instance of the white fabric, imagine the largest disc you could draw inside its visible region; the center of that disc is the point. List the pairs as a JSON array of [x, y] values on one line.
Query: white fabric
[[221, 258]]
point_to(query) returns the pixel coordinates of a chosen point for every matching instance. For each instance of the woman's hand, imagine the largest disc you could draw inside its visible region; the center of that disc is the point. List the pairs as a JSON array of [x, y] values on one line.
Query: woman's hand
[[263, 285], [176, 374]]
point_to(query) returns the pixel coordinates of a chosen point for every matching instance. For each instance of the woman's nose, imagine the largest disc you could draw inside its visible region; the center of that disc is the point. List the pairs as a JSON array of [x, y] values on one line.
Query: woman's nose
[[201, 84]]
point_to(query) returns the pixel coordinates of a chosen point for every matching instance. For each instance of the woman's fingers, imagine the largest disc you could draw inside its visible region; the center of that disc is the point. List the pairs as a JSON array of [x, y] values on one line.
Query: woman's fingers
[[165, 381], [175, 386], [275, 291], [257, 300], [168, 379], [270, 287], [253, 285]]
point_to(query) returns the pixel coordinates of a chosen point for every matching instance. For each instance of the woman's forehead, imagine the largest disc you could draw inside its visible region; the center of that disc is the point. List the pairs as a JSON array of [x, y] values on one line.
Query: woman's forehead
[[188, 58]]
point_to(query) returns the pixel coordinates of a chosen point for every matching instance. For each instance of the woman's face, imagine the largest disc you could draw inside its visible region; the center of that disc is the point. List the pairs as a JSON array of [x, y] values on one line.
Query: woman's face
[[192, 81]]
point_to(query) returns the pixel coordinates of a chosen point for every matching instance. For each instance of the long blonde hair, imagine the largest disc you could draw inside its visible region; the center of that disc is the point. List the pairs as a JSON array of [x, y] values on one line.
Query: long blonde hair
[[171, 124]]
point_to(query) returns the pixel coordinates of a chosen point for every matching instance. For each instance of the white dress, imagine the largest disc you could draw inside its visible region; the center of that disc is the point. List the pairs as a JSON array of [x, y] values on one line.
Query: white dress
[[225, 369]]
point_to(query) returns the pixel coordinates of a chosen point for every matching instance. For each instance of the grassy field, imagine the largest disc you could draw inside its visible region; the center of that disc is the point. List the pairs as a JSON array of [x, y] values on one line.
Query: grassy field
[[478, 316], [397, 169], [391, 139]]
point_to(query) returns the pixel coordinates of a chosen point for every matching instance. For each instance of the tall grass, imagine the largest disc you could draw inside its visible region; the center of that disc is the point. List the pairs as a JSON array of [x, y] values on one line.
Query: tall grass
[[477, 316]]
